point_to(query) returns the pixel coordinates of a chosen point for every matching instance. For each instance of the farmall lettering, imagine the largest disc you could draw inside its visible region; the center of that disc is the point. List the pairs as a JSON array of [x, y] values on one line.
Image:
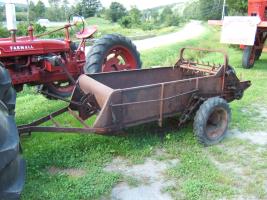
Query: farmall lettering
[[21, 47]]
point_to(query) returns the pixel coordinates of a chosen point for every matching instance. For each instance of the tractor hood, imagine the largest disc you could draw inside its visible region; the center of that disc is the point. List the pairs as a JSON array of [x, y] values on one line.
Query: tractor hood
[[25, 46]]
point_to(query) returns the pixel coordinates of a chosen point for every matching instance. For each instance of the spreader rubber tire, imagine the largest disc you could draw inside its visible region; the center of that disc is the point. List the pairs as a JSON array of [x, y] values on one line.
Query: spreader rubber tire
[[247, 63], [212, 120], [258, 53], [12, 166], [100, 49]]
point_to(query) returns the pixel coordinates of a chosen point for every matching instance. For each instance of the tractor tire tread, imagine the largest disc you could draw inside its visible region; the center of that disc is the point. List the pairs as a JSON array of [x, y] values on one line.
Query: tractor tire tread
[[99, 49], [12, 167], [246, 58]]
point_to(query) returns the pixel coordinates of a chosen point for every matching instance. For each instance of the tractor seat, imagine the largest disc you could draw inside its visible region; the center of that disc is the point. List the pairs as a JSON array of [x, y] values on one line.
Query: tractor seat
[[86, 33]]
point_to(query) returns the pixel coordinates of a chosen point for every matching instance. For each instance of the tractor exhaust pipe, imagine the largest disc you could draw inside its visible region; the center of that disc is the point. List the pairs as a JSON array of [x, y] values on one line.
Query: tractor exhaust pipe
[[11, 19]]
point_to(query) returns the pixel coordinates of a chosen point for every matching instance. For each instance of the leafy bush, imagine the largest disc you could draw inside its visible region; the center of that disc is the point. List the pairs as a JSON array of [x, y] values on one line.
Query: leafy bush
[[126, 22], [23, 29], [172, 20], [38, 28], [3, 32], [147, 26], [21, 16]]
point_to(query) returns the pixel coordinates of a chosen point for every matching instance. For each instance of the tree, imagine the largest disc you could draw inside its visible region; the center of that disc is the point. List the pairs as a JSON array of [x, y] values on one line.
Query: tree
[[155, 15], [32, 13], [2, 13], [168, 18], [132, 19], [237, 7], [54, 3], [210, 9], [40, 9], [65, 7], [204, 10], [135, 15], [116, 11], [192, 11], [55, 11], [166, 13], [88, 8]]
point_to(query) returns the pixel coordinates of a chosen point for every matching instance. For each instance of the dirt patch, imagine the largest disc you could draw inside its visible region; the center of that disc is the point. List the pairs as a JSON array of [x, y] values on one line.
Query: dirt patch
[[150, 174], [247, 182], [229, 167], [258, 137], [257, 113], [262, 111], [240, 197], [77, 173], [244, 162]]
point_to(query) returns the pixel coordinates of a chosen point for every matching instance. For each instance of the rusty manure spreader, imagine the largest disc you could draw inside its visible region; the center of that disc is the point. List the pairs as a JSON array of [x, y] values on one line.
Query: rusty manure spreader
[[129, 98]]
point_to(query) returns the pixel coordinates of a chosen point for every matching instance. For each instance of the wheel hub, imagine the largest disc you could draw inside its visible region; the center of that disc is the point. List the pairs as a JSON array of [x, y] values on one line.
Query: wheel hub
[[217, 123], [119, 58]]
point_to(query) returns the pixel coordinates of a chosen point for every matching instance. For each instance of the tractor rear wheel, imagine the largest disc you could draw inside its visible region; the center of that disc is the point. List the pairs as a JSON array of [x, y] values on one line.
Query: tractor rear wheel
[[112, 52], [12, 166], [249, 57], [211, 121]]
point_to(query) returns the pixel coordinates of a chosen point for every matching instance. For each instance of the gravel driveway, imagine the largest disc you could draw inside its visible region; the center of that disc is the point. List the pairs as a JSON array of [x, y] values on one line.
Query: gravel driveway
[[191, 30]]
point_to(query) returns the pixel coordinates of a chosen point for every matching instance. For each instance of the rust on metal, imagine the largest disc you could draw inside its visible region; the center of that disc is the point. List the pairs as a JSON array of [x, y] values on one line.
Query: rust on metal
[[216, 123], [54, 121], [161, 105], [78, 118]]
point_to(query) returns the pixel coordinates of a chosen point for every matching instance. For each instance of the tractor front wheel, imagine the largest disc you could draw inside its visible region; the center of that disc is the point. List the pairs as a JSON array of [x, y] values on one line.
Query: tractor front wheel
[[249, 57], [211, 121], [112, 52], [61, 89]]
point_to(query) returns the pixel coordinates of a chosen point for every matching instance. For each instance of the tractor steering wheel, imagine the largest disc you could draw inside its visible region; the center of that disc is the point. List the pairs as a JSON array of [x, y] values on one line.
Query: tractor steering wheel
[[83, 23]]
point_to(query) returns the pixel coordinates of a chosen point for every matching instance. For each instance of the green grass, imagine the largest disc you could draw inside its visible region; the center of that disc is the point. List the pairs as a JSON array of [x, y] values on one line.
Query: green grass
[[196, 176], [107, 27]]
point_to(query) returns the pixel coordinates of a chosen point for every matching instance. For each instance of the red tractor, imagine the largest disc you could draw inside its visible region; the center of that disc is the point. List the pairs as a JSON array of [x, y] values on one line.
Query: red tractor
[[252, 53], [34, 61], [53, 65]]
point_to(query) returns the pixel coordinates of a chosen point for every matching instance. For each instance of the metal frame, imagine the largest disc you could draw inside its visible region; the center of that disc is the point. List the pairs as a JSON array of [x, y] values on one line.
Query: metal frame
[[35, 125]]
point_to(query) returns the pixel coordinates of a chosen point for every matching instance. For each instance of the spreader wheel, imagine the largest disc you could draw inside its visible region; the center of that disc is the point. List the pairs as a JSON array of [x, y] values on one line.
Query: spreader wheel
[[211, 121], [112, 52], [12, 167], [249, 57]]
